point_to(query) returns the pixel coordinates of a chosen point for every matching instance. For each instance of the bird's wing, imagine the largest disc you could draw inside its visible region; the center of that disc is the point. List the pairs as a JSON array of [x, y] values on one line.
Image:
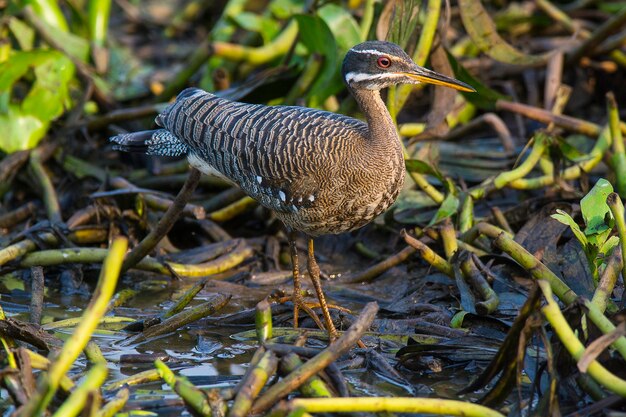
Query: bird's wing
[[277, 154]]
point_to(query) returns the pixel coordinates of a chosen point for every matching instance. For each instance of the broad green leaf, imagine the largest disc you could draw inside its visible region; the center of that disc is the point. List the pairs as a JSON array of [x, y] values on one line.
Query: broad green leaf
[[447, 209], [317, 38], [421, 167], [49, 94], [596, 213], [268, 28], [19, 63], [342, 25], [565, 218], [24, 124], [20, 131], [481, 28], [484, 98]]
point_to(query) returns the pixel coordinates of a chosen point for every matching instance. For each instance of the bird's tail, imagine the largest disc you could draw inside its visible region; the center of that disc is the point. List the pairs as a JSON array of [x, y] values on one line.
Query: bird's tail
[[151, 142]]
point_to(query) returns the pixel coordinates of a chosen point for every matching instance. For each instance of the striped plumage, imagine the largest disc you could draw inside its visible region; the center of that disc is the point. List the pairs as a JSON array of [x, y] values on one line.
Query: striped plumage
[[310, 166], [320, 172]]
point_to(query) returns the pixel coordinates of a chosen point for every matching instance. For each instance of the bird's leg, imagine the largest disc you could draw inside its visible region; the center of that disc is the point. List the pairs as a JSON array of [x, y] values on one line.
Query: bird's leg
[[298, 300], [314, 273], [297, 292]]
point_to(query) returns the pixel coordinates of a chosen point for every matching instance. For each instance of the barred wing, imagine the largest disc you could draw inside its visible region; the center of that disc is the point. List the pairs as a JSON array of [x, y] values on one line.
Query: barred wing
[[279, 155]]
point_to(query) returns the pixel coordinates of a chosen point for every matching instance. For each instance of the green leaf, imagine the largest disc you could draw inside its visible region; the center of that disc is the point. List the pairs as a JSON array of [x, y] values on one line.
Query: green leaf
[[24, 124], [317, 38], [20, 131], [485, 98], [284, 9], [343, 26], [457, 320], [609, 245], [448, 208], [596, 213], [49, 94], [570, 152], [421, 167], [481, 28], [266, 27], [565, 218]]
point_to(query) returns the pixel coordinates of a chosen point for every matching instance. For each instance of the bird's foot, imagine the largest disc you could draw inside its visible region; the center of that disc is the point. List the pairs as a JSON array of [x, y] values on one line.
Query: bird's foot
[[299, 303]]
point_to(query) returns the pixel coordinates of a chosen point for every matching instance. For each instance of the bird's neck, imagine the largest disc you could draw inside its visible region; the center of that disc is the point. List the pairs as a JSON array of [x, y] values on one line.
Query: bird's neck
[[382, 130]]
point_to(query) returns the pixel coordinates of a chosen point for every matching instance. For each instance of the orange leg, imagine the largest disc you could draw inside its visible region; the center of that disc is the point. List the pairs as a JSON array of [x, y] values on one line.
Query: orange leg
[[314, 273]]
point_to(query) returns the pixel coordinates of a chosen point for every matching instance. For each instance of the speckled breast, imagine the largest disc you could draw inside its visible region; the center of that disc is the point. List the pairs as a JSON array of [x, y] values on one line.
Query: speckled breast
[[355, 212]]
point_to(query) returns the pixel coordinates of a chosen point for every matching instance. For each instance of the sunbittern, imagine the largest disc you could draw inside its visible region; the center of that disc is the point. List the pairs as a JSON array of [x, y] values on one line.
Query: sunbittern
[[320, 172]]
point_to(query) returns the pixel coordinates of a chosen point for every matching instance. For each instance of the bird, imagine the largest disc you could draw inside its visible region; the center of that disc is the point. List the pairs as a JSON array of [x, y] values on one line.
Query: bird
[[319, 172]]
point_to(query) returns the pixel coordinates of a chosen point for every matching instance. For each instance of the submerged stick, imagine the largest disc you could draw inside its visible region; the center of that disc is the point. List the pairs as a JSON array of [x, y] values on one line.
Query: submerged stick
[[37, 289], [185, 317]]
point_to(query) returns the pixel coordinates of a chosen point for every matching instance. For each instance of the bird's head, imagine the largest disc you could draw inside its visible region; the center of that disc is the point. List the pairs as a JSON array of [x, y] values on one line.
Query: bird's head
[[374, 65]]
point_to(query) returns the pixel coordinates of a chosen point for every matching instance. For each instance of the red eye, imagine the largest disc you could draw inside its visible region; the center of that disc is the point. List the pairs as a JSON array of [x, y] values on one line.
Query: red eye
[[383, 62]]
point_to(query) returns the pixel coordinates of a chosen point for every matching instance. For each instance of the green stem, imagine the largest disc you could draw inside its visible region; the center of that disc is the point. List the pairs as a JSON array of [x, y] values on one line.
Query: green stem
[[49, 194], [424, 45], [317, 363], [263, 320], [619, 155], [74, 405], [78, 340], [617, 209], [367, 19], [541, 272], [193, 396], [524, 168], [394, 405], [553, 314]]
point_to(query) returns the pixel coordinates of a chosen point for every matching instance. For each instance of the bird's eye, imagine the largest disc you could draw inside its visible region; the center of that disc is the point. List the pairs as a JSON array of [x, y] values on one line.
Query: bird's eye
[[383, 62]]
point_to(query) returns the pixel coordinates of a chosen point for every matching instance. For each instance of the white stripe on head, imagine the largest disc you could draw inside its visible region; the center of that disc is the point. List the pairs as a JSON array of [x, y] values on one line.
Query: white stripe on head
[[357, 77], [369, 51]]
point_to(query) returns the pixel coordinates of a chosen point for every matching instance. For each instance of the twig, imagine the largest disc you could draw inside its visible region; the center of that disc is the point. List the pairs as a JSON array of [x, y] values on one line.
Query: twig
[[166, 222], [18, 215], [159, 203], [375, 270], [608, 279], [123, 115], [49, 194], [599, 35]]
